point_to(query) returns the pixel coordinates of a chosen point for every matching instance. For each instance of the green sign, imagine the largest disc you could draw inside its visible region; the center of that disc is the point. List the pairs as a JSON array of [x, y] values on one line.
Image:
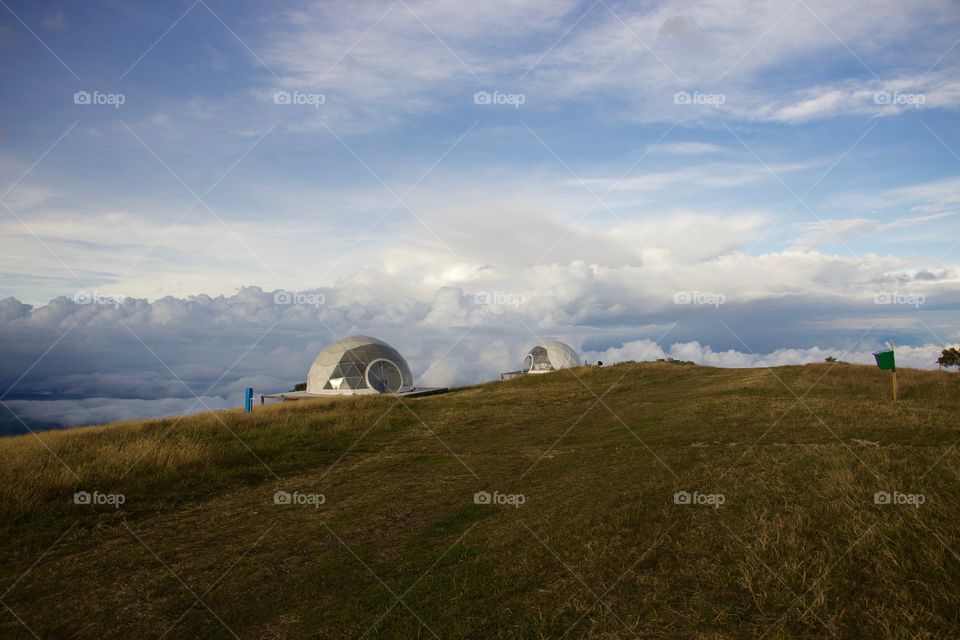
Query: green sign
[[885, 360]]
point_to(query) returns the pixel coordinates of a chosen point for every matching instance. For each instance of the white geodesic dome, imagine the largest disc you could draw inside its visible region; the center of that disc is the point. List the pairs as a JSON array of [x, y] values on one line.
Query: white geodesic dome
[[550, 356], [359, 365]]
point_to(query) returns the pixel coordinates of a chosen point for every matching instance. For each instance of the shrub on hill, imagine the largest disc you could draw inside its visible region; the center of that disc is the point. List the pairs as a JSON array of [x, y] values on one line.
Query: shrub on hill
[[950, 357]]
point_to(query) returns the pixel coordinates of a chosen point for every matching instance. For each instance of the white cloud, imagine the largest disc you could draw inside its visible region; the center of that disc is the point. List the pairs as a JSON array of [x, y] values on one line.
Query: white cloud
[[380, 65], [875, 98], [69, 413], [922, 357], [686, 148], [823, 233], [102, 369]]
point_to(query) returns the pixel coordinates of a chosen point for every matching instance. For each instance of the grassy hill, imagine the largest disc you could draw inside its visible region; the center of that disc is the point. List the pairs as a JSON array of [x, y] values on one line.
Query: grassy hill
[[599, 547]]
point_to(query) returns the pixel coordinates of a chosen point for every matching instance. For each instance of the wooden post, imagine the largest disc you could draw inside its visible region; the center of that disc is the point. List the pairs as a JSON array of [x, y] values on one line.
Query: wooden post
[[894, 372]]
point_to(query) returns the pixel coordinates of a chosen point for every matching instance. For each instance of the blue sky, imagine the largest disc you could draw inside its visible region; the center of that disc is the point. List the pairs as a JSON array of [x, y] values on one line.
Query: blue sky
[[798, 159]]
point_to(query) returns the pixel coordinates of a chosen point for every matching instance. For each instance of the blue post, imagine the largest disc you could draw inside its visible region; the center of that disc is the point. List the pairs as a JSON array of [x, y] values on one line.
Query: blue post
[[248, 399]]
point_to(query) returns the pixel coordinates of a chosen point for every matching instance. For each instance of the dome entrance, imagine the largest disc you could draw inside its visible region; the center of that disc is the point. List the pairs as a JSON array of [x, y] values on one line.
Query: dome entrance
[[384, 376], [550, 356]]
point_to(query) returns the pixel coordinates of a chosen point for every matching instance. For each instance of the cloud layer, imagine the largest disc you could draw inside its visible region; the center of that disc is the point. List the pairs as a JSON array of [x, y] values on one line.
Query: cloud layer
[[70, 363]]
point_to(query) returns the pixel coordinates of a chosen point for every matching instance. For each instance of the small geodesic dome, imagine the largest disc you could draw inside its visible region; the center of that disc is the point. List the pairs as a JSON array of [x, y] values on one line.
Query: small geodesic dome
[[550, 356], [359, 365]]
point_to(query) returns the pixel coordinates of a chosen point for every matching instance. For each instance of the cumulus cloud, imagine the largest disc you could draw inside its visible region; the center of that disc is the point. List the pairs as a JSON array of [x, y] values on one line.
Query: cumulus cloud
[[922, 356], [68, 363]]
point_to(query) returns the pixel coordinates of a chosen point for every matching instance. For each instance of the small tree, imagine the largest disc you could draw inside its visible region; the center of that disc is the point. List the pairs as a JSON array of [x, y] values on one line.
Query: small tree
[[950, 357], [829, 359], [300, 386]]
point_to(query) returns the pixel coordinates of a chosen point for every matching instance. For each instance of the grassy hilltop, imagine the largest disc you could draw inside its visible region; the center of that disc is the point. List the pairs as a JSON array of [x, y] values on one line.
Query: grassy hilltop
[[597, 549]]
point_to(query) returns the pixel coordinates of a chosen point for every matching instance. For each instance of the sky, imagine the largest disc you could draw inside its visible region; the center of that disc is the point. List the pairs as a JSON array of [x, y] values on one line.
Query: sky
[[197, 196]]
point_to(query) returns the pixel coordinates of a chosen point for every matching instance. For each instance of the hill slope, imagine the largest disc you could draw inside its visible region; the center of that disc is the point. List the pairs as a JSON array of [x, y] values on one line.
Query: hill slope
[[599, 547]]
